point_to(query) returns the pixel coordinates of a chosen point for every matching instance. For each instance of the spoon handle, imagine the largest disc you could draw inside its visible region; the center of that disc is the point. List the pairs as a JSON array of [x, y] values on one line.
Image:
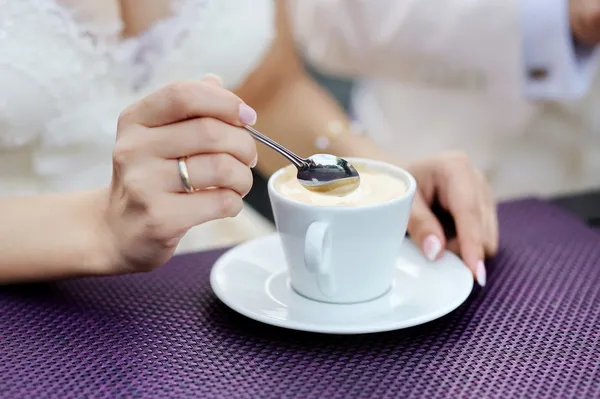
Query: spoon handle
[[295, 159]]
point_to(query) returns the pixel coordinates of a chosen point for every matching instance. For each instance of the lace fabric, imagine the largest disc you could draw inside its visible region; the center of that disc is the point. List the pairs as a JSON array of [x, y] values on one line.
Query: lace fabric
[[65, 79], [64, 83]]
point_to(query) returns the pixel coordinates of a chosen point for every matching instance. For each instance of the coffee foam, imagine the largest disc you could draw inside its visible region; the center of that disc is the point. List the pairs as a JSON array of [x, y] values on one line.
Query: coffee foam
[[375, 187]]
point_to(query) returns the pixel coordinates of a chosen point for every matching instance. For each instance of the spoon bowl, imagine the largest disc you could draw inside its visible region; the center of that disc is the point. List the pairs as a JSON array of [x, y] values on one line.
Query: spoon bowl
[[329, 175], [322, 173]]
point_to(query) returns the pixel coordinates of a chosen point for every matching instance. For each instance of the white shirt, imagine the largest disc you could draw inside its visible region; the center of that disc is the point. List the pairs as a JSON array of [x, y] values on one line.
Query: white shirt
[[377, 38], [548, 44], [481, 76]]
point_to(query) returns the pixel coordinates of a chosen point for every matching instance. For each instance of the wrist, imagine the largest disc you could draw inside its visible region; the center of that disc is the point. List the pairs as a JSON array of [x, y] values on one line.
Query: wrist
[[54, 236], [100, 254]]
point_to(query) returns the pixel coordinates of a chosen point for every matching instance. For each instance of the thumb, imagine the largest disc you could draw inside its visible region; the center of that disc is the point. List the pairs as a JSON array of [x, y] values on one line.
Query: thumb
[[247, 115], [425, 230], [213, 79]]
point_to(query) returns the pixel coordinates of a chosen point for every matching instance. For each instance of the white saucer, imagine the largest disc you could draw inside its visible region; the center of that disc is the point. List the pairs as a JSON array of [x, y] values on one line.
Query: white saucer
[[252, 279]]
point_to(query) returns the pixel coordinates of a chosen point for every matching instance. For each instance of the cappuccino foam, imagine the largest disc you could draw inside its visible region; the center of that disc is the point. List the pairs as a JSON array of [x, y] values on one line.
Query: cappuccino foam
[[375, 187]]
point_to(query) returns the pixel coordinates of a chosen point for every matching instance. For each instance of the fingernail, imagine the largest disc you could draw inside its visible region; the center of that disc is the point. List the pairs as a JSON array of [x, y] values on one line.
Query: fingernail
[[214, 77], [432, 246], [247, 115], [481, 274], [253, 164]]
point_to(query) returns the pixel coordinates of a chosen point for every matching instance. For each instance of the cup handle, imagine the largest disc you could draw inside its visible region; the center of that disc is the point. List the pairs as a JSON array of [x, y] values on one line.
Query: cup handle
[[317, 249]]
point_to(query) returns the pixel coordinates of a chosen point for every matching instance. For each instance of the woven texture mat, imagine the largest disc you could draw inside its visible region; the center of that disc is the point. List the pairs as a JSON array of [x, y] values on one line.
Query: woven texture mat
[[533, 332]]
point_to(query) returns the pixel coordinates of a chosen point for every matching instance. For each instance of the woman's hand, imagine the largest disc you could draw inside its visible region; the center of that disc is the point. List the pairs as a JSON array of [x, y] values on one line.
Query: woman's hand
[[148, 209], [464, 192]]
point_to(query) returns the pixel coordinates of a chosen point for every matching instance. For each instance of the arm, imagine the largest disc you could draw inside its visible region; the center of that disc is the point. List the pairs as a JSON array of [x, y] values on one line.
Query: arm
[[294, 110], [506, 47], [54, 236], [135, 224]]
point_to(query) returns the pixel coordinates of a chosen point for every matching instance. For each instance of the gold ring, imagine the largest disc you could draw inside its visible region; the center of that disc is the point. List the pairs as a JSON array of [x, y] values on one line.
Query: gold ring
[[185, 175]]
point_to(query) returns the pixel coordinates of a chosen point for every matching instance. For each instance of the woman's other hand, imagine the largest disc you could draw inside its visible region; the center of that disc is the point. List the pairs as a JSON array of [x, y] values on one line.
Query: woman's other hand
[[148, 209], [462, 191]]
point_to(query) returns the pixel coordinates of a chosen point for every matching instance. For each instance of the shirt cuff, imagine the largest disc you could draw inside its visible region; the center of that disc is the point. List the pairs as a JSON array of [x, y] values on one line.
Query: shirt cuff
[[555, 67]]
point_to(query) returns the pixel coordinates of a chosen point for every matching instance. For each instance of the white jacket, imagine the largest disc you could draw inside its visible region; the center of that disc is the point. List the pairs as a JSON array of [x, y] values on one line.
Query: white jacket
[[500, 79]]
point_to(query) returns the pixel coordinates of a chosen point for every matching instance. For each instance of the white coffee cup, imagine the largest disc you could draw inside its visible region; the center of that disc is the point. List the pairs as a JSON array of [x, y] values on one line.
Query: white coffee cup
[[343, 254]]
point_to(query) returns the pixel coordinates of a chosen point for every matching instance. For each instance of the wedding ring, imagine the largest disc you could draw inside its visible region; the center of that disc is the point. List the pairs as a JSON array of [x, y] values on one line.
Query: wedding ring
[[185, 175]]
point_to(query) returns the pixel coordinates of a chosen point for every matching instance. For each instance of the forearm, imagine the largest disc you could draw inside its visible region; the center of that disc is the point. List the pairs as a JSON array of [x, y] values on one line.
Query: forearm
[[300, 114], [294, 110], [51, 237]]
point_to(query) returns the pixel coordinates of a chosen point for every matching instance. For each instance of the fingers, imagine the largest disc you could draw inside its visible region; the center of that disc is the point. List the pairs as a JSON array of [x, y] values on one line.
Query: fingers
[[197, 120], [489, 217], [425, 230], [204, 206], [467, 218], [463, 192], [175, 135], [206, 171], [453, 246], [199, 136], [213, 79], [186, 100], [491, 232], [167, 217], [460, 193]]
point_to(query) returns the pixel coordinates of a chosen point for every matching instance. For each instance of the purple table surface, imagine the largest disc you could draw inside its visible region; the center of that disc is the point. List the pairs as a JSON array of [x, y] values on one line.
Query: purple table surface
[[533, 332]]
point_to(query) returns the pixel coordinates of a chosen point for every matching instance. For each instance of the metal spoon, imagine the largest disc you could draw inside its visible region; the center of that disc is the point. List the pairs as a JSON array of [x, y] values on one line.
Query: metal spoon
[[322, 173]]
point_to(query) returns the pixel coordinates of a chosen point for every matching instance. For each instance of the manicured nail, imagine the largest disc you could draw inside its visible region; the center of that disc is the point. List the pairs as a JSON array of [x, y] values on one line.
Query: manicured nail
[[214, 77], [481, 275], [432, 247], [253, 164], [247, 115]]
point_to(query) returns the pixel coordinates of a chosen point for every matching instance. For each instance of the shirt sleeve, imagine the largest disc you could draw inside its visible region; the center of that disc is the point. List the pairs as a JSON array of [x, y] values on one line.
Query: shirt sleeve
[[468, 45], [555, 66]]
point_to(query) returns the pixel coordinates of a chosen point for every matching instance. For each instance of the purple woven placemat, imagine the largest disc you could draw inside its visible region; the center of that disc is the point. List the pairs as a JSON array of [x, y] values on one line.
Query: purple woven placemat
[[533, 332]]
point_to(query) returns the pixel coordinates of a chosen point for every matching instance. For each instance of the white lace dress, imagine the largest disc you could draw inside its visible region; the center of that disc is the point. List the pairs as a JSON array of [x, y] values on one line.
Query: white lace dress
[[63, 84]]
